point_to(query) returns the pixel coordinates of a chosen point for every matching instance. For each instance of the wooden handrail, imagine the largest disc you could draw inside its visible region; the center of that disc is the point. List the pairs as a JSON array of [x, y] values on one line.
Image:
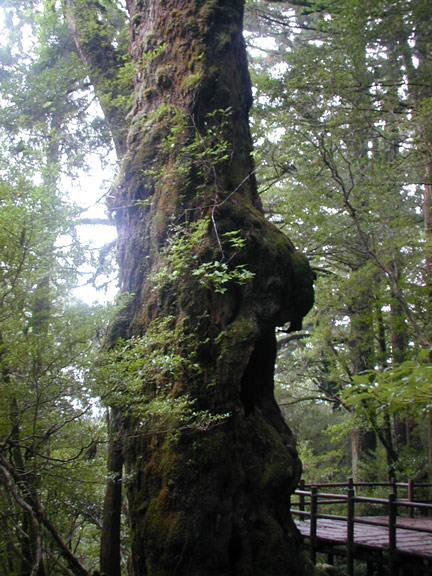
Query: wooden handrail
[[314, 499], [328, 498], [371, 484], [325, 499], [410, 486]]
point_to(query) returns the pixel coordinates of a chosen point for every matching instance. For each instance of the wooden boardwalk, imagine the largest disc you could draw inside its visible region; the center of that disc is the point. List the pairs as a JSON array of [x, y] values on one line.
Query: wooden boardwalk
[[400, 541], [375, 536]]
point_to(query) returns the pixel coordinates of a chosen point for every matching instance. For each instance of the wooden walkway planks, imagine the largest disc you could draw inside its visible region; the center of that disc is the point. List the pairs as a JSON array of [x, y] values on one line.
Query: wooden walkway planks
[[374, 536], [400, 542]]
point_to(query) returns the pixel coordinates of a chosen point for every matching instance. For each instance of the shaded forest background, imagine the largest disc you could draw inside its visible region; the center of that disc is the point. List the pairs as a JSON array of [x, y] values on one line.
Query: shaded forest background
[[342, 123]]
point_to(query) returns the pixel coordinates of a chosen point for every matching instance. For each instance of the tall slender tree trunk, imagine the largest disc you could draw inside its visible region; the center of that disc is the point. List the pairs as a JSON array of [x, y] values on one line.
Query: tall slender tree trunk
[[427, 209], [110, 558], [204, 499], [361, 344]]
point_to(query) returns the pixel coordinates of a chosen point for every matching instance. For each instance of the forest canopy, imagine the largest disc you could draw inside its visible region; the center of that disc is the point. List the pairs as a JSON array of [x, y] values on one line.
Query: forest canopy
[[342, 114], [182, 364]]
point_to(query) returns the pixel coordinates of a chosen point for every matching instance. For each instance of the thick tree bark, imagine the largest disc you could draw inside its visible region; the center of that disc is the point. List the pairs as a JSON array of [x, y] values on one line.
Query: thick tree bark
[[204, 499]]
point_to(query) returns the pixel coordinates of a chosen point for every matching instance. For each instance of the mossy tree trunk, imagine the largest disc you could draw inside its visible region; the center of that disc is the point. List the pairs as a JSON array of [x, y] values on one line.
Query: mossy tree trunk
[[210, 495]]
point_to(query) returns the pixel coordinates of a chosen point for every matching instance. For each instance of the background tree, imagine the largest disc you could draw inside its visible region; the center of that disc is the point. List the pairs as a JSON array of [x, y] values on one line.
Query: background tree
[[335, 99], [51, 442], [45, 426]]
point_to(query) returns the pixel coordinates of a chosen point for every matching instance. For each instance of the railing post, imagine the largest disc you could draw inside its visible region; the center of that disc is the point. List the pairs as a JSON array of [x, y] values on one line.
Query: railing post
[[301, 498], [350, 528], [313, 523], [394, 486], [411, 497], [393, 568]]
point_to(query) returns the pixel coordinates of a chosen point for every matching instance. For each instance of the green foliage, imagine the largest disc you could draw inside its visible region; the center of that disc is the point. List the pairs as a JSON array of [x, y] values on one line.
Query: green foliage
[[184, 256], [52, 436], [321, 428], [45, 89], [198, 150], [216, 275], [149, 368], [153, 54], [47, 342], [123, 96], [406, 387], [322, 466], [340, 149]]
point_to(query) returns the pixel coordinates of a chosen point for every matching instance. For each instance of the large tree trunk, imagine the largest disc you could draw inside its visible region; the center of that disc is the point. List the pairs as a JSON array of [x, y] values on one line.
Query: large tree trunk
[[204, 499]]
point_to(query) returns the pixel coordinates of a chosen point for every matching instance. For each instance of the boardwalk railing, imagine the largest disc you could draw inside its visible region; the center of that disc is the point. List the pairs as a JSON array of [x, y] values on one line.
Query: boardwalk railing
[[399, 513]]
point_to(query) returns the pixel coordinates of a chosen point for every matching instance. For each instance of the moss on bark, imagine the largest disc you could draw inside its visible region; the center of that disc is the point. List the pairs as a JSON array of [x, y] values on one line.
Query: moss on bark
[[206, 500]]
